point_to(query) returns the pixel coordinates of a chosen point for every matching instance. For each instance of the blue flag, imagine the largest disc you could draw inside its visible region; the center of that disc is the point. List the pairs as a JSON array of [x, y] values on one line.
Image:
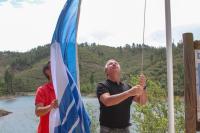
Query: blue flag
[[71, 116]]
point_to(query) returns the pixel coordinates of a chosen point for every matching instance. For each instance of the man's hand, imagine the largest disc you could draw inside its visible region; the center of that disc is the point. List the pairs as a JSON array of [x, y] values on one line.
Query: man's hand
[[142, 99], [136, 90], [54, 104]]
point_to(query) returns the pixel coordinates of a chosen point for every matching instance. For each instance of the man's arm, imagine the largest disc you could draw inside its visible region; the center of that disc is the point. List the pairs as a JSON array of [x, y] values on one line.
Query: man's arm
[[142, 99], [41, 110], [110, 100]]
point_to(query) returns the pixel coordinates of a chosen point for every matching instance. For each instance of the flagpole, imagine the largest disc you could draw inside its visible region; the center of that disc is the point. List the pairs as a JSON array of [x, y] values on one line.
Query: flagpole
[[169, 68], [77, 60]]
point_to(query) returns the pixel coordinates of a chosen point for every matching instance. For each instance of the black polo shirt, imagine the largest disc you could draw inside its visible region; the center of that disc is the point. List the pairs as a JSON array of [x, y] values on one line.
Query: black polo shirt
[[117, 116]]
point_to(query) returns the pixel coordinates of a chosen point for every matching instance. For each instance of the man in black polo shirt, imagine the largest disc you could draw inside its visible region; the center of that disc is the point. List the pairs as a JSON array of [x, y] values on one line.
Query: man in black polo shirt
[[115, 98]]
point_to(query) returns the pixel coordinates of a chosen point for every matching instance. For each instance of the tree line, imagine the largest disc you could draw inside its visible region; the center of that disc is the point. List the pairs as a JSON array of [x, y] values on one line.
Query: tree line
[[21, 72]]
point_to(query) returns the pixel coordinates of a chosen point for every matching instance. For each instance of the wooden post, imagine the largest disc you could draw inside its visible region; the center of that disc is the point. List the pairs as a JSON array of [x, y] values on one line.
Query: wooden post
[[190, 84], [197, 46]]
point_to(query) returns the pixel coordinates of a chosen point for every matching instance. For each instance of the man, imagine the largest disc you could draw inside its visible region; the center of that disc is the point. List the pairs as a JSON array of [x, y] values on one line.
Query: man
[[115, 99], [45, 101]]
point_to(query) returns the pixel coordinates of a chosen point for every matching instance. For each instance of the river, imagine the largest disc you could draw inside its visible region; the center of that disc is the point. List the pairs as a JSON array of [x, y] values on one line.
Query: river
[[22, 119]]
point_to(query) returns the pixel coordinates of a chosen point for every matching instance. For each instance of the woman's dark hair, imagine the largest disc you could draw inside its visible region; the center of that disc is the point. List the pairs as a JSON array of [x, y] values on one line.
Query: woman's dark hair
[[46, 67]]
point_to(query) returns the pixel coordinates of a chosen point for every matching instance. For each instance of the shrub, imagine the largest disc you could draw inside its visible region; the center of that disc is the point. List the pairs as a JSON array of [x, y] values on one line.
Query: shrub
[[153, 117]]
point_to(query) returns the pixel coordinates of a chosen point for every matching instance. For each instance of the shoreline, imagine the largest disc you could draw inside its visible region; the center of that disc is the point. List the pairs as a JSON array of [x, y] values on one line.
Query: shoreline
[[11, 97], [4, 112], [18, 94]]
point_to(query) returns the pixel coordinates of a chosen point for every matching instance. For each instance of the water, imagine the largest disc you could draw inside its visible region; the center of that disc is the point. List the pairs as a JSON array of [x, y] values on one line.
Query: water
[[23, 119]]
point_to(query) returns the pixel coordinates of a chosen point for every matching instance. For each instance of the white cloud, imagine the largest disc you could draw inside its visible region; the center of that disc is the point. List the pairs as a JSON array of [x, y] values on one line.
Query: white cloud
[[159, 36], [19, 3], [109, 22], [26, 27]]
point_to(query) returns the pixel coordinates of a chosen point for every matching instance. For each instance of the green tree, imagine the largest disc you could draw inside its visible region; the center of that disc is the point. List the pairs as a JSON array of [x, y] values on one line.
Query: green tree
[[151, 59], [127, 46], [153, 117], [133, 46], [8, 78], [120, 50], [92, 79]]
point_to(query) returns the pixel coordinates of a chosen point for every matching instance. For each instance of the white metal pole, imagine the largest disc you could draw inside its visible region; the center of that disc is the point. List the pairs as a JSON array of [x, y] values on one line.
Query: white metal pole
[[171, 127]]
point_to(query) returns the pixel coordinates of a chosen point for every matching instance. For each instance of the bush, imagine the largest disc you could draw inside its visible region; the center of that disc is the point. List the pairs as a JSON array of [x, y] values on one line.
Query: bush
[[94, 128], [87, 88], [153, 117]]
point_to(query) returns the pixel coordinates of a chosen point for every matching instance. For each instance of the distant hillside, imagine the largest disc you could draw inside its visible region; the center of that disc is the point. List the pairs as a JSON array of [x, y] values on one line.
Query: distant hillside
[[21, 72]]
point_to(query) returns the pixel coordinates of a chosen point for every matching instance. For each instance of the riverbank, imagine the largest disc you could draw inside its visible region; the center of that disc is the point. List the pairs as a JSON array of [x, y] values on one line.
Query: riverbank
[[4, 113], [92, 95], [23, 118], [18, 94], [11, 97]]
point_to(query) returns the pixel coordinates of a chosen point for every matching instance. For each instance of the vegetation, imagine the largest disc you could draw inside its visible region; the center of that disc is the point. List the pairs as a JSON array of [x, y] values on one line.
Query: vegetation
[[153, 117], [8, 78], [94, 127], [26, 68]]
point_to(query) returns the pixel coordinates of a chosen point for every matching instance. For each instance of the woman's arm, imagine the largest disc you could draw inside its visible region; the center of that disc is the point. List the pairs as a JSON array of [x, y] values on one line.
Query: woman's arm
[[41, 110]]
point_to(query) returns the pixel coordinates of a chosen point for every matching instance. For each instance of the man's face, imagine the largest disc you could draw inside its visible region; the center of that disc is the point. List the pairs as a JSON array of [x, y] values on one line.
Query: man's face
[[113, 68], [48, 71]]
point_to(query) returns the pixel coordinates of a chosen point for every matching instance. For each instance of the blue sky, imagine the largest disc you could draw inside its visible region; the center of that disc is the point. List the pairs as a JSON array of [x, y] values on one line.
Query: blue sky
[[25, 24]]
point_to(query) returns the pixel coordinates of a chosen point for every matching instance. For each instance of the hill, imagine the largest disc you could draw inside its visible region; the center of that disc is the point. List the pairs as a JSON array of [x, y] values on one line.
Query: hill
[[22, 72]]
